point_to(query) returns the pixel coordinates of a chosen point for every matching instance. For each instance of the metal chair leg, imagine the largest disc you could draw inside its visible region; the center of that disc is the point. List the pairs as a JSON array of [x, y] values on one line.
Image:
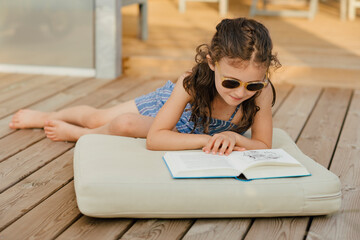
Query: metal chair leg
[[143, 22]]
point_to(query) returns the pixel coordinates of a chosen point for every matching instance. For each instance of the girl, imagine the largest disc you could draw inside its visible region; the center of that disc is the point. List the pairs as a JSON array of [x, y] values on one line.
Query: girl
[[227, 92]]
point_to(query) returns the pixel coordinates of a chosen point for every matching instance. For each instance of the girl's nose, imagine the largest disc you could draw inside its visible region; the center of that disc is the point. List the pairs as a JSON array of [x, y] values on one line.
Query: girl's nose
[[240, 91]]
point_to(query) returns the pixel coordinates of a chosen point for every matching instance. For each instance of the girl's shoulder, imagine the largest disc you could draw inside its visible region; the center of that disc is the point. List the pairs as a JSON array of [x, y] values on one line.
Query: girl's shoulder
[[179, 86], [180, 81], [183, 76], [265, 97]]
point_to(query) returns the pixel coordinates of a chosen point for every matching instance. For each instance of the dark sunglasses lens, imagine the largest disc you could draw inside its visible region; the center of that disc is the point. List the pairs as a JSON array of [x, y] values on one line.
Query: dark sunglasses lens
[[227, 83], [254, 86]]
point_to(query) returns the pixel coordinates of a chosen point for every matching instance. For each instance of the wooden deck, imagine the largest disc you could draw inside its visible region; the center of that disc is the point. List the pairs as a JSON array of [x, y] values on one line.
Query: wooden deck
[[322, 114], [37, 199]]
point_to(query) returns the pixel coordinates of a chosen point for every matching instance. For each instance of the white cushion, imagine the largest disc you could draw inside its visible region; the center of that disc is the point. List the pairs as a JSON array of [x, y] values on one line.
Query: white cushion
[[118, 177]]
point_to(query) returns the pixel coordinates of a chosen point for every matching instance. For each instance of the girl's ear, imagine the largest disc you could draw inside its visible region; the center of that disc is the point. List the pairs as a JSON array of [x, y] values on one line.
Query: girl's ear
[[210, 62]]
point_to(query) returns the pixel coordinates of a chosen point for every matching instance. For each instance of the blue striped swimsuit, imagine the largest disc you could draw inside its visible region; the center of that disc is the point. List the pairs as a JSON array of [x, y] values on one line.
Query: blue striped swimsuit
[[150, 104]]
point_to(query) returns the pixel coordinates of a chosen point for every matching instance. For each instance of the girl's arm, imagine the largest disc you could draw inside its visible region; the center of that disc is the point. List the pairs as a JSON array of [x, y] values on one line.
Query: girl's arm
[[261, 130], [161, 135]]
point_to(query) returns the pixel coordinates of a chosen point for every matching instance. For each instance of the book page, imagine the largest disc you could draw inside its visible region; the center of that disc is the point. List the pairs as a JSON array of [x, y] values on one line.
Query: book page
[[246, 159], [180, 160], [201, 161]]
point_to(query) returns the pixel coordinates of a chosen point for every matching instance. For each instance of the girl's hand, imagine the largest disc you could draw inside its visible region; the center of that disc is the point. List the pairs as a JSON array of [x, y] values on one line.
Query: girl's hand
[[222, 143]]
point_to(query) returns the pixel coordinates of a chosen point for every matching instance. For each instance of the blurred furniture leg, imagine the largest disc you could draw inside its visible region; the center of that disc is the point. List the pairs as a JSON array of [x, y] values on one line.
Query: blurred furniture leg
[[182, 6], [143, 15], [313, 4], [108, 40], [353, 5], [343, 10], [108, 35], [223, 5]]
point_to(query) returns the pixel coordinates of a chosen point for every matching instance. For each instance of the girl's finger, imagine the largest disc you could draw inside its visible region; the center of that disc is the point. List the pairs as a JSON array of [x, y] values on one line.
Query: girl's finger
[[236, 148], [207, 148], [217, 144], [224, 146], [230, 148]]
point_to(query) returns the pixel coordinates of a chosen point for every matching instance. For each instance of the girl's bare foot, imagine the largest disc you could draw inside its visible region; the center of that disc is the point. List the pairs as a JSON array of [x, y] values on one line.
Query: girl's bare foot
[[58, 130], [26, 118]]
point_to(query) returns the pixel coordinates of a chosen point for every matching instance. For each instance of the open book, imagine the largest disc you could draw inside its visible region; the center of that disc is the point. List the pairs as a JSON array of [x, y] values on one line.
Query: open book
[[253, 164]]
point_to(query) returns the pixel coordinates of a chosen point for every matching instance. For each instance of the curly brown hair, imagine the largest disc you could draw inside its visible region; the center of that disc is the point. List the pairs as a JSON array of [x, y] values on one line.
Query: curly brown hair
[[239, 39]]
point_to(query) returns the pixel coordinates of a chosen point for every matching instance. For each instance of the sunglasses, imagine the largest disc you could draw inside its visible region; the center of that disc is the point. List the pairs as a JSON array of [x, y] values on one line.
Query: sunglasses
[[251, 86]]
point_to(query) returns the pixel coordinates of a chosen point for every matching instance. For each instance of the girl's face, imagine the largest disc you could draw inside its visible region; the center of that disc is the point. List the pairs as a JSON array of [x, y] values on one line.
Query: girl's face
[[238, 70]]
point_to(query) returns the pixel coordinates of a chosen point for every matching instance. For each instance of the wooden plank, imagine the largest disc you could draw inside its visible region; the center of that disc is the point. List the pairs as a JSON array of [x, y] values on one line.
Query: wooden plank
[[68, 96], [18, 141], [278, 228], [157, 229], [294, 112], [319, 137], [282, 91], [144, 88], [106, 93], [4, 74], [343, 225], [10, 79], [19, 88], [218, 229], [37, 94], [46, 220], [31, 191], [58, 100], [321, 132], [345, 164], [29, 160], [95, 228]]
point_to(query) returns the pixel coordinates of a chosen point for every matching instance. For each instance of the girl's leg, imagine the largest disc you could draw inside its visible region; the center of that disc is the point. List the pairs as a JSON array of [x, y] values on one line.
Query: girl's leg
[[100, 117], [128, 124], [84, 116]]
